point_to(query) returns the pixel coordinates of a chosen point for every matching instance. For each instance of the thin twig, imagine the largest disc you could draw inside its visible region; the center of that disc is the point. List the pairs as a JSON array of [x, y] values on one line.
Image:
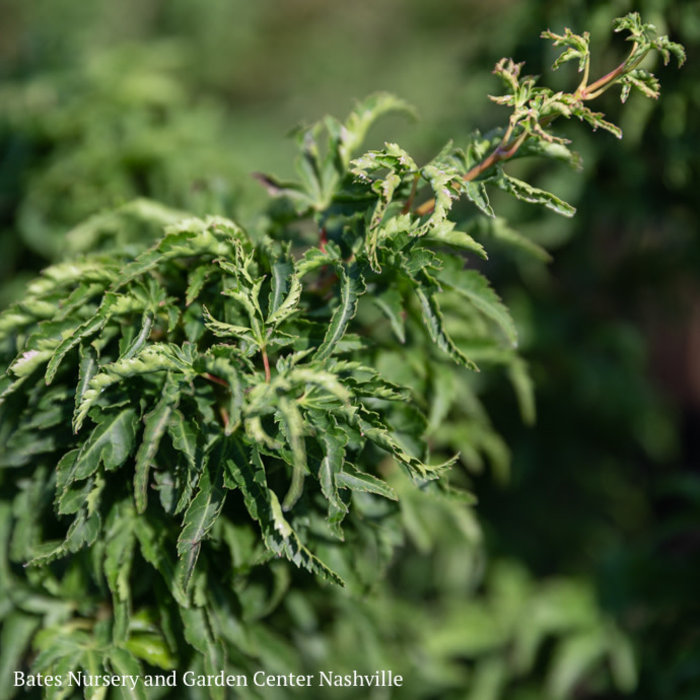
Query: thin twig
[[505, 151], [266, 364]]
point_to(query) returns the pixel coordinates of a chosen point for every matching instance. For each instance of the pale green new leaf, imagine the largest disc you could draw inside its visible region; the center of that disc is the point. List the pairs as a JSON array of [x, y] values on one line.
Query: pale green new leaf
[[576, 47], [312, 260], [196, 281], [247, 297], [156, 357], [476, 193], [446, 183], [595, 119], [86, 371], [289, 305], [226, 330], [362, 481], [334, 441], [528, 193], [364, 114], [372, 428], [112, 304], [446, 234], [213, 237], [294, 432]]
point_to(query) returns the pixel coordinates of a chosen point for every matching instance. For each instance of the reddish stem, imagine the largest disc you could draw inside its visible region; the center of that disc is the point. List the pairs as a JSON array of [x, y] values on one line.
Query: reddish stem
[[266, 365], [215, 379], [586, 92], [508, 150], [411, 197], [224, 417], [502, 152]]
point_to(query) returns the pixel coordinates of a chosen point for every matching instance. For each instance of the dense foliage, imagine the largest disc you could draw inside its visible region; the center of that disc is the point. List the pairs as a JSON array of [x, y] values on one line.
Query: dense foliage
[[292, 419]]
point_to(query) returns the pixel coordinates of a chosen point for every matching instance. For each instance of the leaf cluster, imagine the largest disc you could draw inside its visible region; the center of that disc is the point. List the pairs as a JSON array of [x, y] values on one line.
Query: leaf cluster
[[215, 409]]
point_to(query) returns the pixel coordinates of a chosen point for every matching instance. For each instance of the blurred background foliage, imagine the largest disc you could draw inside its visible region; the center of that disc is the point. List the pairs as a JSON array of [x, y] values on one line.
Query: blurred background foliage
[[596, 532]]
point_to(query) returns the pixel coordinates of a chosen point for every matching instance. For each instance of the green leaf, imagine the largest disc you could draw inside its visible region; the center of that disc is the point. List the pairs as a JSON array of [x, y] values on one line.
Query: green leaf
[[112, 304], [15, 638], [248, 298], [288, 306], [433, 320], [373, 428], [596, 120], [155, 424], [573, 658], [198, 634], [645, 38], [351, 287], [213, 237], [312, 260], [576, 47], [499, 229], [226, 330], [446, 234], [390, 302], [124, 663], [200, 516], [110, 444], [156, 357], [474, 287], [643, 81], [86, 371], [118, 557], [294, 432], [141, 338], [25, 365], [361, 481], [183, 434], [196, 281], [225, 372], [152, 648], [153, 537], [82, 532], [334, 441], [447, 184], [527, 193], [476, 193], [623, 663], [524, 389], [281, 270], [263, 506], [364, 114]]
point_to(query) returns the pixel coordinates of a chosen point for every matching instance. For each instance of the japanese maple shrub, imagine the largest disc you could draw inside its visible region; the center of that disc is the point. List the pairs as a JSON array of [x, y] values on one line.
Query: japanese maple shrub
[[219, 410]]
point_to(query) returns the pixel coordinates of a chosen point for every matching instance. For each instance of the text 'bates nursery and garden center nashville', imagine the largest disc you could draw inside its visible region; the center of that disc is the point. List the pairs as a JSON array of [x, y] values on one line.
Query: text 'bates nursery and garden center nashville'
[[262, 679]]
